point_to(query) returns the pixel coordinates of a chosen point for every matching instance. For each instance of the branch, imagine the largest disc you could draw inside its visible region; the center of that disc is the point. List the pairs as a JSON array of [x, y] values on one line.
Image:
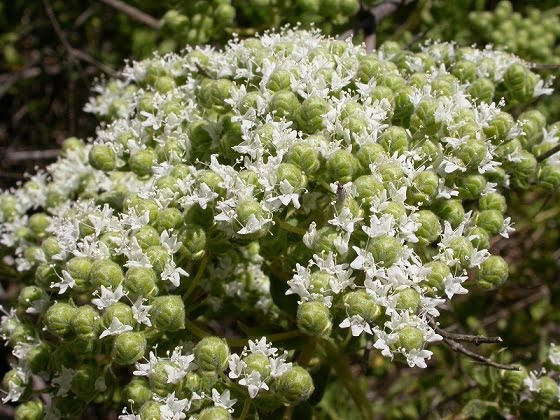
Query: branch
[[548, 154], [15, 156], [476, 339], [459, 348], [73, 52], [378, 13], [133, 12]]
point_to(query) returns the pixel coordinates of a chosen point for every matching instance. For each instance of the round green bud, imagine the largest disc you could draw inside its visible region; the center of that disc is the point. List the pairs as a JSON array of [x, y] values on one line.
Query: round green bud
[[292, 174], [450, 210], [482, 90], [470, 186], [310, 114], [512, 380], [45, 274], [319, 282], [79, 269], [519, 83], [342, 166], [138, 390], [403, 106], [472, 153], [391, 173], [169, 219], [32, 297], [367, 187], [370, 153], [323, 241], [118, 310], [194, 242], [30, 410], [105, 272], [479, 237], [212, 354], [462, 250], [386, 250], [158, 257], [164, 84], [360, 303], [548, 391], [128, 347], [71, 144], [22, 333], [258, 362], [214, 413], [493, 272], [212, 180], [219, 91], [142, 162], [141, 281], [493, 201], [248, 208], [279, 80], [295, 385], [430, 227], [369, 67], [285, 104], [499, 127], [102, 157], [394, 140], [410, 338], [439, 271], [490, 220], [86, 323], [524, 169], [314, 318], [464, 70], [38, 223], [408, 300], [168, 313], [424, 188], [59, 317], [422, 121], [50, 247], [549, 177], [83, 382], [305, 157], [150, 410]]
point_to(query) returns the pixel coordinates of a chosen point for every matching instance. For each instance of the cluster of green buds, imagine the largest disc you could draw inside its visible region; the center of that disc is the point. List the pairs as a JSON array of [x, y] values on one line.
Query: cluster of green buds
[[290, 186]]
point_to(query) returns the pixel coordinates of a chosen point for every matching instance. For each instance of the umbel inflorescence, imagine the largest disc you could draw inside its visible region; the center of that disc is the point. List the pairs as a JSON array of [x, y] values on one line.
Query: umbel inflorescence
[[290, 186]]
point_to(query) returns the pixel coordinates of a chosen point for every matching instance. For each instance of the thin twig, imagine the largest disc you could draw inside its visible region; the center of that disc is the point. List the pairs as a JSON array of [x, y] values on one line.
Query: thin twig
[[73, 52], [133, 12], [475, 339], [544, 66], [15, 156], [459, 348], [378, 13], [546, 155]]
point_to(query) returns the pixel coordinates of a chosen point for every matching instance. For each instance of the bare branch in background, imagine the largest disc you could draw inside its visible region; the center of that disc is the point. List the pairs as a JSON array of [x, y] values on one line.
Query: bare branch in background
[[133, 12], [459, 348]]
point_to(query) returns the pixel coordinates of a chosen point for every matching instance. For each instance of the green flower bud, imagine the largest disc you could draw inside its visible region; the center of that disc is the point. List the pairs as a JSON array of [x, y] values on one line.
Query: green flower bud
[[214, 413], [216, 92], [194, 239], [397, 210], [367, 188], [231, 137], [430, 151], [394, 140], [212, 354], [422, 121], [472, 153], [212, 180], [314, 318], [342, 166], [39, 357], [86, 323], [118, 310], [386, 250], [391, 173], [195, 215], [22, 333], [279, 80], [471, 186], [295, 385], [71, 144], [444, 85], [150, 410], [424, 188], [164, 84], [450, 210], [39, 222], [493, 272], [305, 157], [465, 71], [79, 269], [410, 338], [369, 67], [45, 274], [310, 115], [403, 106], [369, 153], [105, 272], [158, 256], [482, 90], [50, 247], [499, 127], [355, 123], [285, 104], [141, 206], [519, 83], [430, 227], [138, 390], [524, 170], [548, 391], [549, 177], [248, 208], [292, 174], [102, 157], [169, 219], [319, 282], [493, 201], [142, 162], [512, 380], [462, 250], [490, 220], [59, 317], [439, 271], [83, 382], [128, 347], [408, 300], [258, 362], [479, 237], [32, 297], [8, 208], [533, 123], [323, 241], [168, 313], [360, 303], [30, 410], [147, 236], [141, 281]]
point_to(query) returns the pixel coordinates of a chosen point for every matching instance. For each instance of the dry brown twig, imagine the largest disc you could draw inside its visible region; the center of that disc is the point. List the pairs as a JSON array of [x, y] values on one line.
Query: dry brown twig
[[133, 12]]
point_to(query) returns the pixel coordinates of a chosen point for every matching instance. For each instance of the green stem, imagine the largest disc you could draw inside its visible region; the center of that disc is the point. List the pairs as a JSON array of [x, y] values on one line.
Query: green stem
[[196, 330], [246, 407], [198, 276], [345, 375], [289, 228]]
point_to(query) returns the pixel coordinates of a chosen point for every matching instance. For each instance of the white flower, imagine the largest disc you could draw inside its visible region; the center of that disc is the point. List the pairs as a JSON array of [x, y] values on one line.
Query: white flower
[[254, 383], [141, 312], [223, 400], [173, 274], [108, 297], [554, 354], [67, 281], [64, 381], [253, 225], [357, 324], [116, 328], [145, 369]]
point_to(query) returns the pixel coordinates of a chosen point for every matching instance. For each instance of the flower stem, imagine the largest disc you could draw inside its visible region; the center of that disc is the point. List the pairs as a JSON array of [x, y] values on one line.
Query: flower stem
[[289, 228], [198, 276], [195, 330], [246, 407], [343, 371]]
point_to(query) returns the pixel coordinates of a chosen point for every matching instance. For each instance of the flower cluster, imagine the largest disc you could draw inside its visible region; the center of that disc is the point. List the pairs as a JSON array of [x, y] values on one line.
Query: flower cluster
[[222, 182]]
